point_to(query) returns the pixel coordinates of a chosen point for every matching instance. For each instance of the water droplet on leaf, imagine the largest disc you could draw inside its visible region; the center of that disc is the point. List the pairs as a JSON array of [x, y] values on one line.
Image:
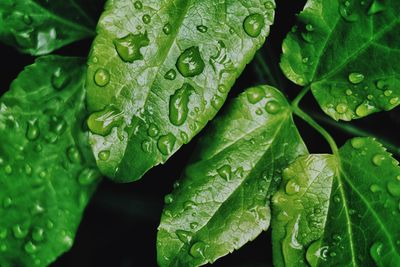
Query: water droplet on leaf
[[190, 63], [102, 77], [128, 47], [253, 24], [103, 121], [166, 143], [225, 172], [178, 105]]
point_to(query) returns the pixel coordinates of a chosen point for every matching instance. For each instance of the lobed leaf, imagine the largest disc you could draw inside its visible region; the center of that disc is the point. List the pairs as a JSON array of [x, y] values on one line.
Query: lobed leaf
[[222, 200], [160, 70], [39, 27], [47, 173], [347, 52], [339, 211]]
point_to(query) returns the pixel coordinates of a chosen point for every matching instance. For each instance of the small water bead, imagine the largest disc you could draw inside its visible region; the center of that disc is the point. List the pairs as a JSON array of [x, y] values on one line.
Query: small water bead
[[365, 109], [32, 130], [356, 78], [394, 188], [197, 249], [184, 236], [146, 19], [58, 124], [38, 148], [370, 97], [376, 7], [102, 122], [19, 232], [73, 154], [102, 77], [388, 92], [357, 142], [166, 143], [8, 169], [190, 62], [167, 28], [376, 251], [168, 199], [178, 105], [104, 155], [349, 92], [152, 131], [202, 28], [273, 107], [194, 225], [394, 100], [225, 172], [128, 47], [59, 79], [138, 5], [254, 24], [375, 188], [292, 188], [255, 94], [87, 176], [378, 159], [269, 5], [316, 253], [184, 137], [347, 14], [38, 234], [7, 202], [341, 108], [170, 75], [30, 248]]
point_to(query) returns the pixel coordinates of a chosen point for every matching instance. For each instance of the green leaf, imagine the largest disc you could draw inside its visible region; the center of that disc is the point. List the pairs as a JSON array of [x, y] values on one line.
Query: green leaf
[[348, 53], [222, 200], [339, 211], [160, 70], [39, 27], [47, 171]]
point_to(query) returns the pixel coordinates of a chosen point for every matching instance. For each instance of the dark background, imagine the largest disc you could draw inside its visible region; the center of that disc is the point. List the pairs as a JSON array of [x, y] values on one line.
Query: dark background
[[119, 226]]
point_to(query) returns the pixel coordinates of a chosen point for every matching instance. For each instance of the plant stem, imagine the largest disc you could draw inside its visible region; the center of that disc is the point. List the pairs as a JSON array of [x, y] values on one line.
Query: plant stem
[[355, 131], [307, 118]]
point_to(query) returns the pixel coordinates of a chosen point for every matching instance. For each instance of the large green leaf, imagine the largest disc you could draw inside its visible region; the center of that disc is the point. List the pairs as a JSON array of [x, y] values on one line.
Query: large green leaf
[[38, 27], [47, 173], [348, 52], [222, 200], [159, 70], [339, 211]]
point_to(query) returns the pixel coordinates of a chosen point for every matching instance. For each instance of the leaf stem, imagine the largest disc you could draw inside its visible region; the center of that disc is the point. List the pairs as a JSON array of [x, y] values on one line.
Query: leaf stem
[[307, 118]]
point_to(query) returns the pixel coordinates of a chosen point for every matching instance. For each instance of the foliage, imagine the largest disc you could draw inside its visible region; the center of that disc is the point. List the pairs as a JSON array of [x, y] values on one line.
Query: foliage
[[157, 72]]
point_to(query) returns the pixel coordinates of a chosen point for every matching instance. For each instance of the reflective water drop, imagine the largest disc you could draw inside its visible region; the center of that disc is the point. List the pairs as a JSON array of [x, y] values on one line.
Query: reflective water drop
[[87, 176], [57, 124], [388, 92], [365, 109], [349, 92], [170, 75], [376, 251], [378, 159], [217, 102], [152, 131], [166, 143], [103, 121], [357, 142], [32, 130], [7, 202], [3, 233], [167, 28], [184, 137], [168, 199], [37, 209], [19, 232], [273, 107], [38, 234], [73, 154], [225, 172], [146, 19], [104, 155], [341, 108], [347, 14], [59, 79], [394, 100], [394, 188], [102, 77], [255, 94], [376, 7], [315, 253], [356, 78], [138, 5], [189, 205], [197, 249], [30, 248], [194, 225], [269, 5], [292, 188], [254, 24], [178, 105], [128, 47], [375, 188], [190, 63], [8, 169], [184, 236], [202, 28], [222, 88]]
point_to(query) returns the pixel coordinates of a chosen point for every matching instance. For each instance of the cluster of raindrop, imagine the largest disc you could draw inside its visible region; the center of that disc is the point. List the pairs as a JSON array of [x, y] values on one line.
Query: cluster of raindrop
[[256, 95]]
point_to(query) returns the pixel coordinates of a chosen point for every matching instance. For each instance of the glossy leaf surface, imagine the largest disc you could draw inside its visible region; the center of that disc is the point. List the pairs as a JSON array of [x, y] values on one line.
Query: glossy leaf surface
[[222, 200], [47, 173], [39, 27], [160, 70], [339, 211], [348, 52]]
